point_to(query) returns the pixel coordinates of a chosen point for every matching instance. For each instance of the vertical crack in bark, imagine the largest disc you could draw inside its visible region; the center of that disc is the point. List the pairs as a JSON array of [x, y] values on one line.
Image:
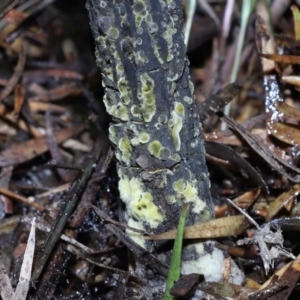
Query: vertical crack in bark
[[156, 129]]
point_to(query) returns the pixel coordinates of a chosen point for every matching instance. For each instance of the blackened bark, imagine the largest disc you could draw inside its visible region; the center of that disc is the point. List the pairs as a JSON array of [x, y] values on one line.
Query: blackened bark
[[156, 129]]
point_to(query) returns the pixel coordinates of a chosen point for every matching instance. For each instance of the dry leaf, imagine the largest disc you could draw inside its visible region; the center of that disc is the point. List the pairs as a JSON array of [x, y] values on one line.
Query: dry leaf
[[228, 226], [287, 133], [294, 80], [290, 273], [287, 59], [25, 274], [282, 200], [288, 111], [19, 153], [6, 290]]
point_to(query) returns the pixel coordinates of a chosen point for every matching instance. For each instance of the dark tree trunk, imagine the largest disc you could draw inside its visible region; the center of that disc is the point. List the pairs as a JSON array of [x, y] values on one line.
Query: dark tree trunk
[[156, 129]]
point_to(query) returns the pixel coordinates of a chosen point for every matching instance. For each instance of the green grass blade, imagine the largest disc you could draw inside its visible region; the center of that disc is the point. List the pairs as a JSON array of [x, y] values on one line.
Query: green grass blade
[[174, 270], [296, 16]]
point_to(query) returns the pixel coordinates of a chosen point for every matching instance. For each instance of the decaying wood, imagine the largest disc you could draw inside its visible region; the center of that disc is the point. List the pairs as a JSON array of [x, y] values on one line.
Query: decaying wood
[[156, 129]]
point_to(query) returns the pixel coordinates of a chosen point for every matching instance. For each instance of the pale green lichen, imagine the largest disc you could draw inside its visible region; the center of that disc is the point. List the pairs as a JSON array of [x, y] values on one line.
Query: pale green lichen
[[140, 57], [134, 141], [169, 56], [171, 199], [120, 69], [168, 36], [124, 90], [179, 185], [113, 33], [179, 108], [153, 27], [175, 124], [144, 137], [139, 41], [188, 99], [109, 73], [191, 86], [157, 53], [119, 111], [162, 119], [135, 111], [137, 237], [187, 190], [176, 157], [140, 12], [139, 202], [148, 106], [116, 55], [125, 148], [154, 148], [112, 134], [164, 153]]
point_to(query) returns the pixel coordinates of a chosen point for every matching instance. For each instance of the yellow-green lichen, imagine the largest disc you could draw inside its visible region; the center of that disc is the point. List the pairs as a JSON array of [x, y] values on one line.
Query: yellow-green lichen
[[116, 55], [119, 111], [112, 134], [187, 190], [169, 56], [137, 237], [171, 199], [124, 90], [135, 111], [157, 52], [139, 41], [191, 86], [154, 148], [179, 108], [140, 58], [144, 137], [113, 33], [101, 40], [168, 36], [120, 69], [162, 119], [134, 141], [164, 153], [179, 185], [109, 73], [153, 27], [176, 157], [148, 106], [139, 202], [125, 148], [140, 12], [175, 124], [188, 100]]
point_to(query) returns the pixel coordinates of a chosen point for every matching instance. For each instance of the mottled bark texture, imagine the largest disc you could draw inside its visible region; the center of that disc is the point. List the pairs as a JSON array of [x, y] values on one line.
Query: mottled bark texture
[[156, 129]]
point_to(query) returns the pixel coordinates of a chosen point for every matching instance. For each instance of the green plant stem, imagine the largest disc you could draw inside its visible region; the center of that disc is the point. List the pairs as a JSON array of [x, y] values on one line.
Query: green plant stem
[[174, 270]]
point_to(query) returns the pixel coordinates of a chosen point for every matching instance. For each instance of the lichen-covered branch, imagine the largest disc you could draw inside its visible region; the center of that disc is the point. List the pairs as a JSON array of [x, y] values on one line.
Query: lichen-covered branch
[[156, 129]]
